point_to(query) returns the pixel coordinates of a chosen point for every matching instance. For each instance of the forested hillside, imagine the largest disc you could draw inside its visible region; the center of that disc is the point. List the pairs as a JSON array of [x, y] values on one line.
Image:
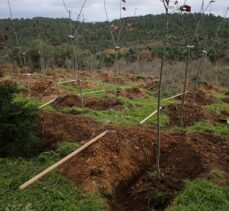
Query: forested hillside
[[135, 36]]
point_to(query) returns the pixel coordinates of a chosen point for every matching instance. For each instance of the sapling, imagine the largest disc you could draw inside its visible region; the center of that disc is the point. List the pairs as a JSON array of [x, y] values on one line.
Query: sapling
[[20, 52], [73, 37], [166, 4]]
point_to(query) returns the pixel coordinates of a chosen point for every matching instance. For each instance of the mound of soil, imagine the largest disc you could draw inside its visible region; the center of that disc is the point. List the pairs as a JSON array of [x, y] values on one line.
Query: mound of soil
[[89, 102], [55, 127], [198, 97], [211, 87], [117, 165], [151, 86], [107, 76], [192, 114], [226, 99], [225, 112], [133, 77], [85, 84], [131, 92], [45, 89]]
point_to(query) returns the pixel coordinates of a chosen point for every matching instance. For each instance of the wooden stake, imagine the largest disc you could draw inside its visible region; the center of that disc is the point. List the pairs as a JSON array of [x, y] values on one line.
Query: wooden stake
[[47, 103], [144, 120], [65, 82], [54, 166], [88, 93], [175, 96]]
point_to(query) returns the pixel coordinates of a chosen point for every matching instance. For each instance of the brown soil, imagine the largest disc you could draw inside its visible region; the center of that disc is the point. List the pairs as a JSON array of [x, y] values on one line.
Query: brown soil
[[117, 165], [198, 97], [226, 99], [192, 114], [133, 77], [45, 89], [90, 102], [226, 93], [225, 112], [55, 127], [107, 76], [84, 84], [151, 86], [211, 87], [7, 80], [132, 92]]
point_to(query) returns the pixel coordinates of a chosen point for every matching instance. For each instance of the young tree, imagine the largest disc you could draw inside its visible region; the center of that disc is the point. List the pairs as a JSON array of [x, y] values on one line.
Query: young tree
[[18, 134], [165, 43]]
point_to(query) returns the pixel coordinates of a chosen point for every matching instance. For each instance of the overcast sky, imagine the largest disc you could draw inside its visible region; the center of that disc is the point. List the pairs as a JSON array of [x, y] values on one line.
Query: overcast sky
[[94, 9]]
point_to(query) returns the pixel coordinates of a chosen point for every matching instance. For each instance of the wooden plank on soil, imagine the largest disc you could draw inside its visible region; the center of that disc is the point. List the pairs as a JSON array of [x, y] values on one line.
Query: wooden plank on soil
[[170, 98], [148, 117], [65, 82], [42, 106], [54, 166], [88, 93]]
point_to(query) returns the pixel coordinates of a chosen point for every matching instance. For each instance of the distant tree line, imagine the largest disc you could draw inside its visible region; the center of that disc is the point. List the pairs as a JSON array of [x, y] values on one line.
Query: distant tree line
[[94, 43]]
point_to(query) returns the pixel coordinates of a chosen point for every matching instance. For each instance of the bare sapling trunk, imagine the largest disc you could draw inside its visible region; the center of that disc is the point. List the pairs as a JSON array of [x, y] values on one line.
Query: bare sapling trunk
[[42, 67], [20, 53], [138, 62], [28, 84], [166, 3], [185, 86], [73, 37]]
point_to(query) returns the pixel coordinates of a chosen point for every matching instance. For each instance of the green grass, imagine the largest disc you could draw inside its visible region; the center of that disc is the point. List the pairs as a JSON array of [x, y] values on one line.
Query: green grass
[[53, 192], [100, 86], [142, 107], [33, 101], [217, 107], [201, 195], [220, 129]]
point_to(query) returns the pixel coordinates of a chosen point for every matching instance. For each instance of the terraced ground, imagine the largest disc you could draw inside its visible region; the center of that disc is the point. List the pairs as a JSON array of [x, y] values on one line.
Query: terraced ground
[[118, 172]]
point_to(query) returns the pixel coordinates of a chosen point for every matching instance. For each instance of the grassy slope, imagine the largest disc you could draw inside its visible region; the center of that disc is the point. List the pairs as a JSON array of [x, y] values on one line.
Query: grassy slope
[[201, 195], [53, 192], [56, 192]]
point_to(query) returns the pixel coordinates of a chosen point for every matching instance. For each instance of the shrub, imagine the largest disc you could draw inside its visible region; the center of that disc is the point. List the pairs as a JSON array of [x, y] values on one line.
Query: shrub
[[18, 135]]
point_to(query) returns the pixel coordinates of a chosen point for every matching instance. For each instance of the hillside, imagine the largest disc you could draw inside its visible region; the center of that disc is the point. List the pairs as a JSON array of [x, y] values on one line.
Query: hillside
[[94, 38]]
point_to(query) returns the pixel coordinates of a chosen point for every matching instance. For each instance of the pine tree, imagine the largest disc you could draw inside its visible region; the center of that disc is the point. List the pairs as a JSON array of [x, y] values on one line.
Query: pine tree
[[18, 135]]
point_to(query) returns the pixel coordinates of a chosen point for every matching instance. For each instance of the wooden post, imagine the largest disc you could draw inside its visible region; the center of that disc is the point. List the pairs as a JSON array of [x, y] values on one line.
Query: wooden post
[[54, 166], [65, 82], [175, 96], [144, 120], [42, 106]]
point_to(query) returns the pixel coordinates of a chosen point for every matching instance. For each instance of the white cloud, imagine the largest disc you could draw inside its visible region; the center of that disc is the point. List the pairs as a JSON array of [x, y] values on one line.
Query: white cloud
[[94, 9]]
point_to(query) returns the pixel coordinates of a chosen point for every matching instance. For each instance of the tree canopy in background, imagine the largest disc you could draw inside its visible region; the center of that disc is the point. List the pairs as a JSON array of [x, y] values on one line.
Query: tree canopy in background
[[93, 40]]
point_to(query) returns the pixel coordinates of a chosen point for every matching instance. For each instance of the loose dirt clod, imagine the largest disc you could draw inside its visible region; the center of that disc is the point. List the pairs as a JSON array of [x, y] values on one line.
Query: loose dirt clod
[[192, 113], [89, 102]]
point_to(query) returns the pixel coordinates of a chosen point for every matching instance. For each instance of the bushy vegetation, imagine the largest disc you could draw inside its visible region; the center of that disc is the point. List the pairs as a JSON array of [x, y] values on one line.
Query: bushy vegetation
[[18, 136], [94, 39]]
